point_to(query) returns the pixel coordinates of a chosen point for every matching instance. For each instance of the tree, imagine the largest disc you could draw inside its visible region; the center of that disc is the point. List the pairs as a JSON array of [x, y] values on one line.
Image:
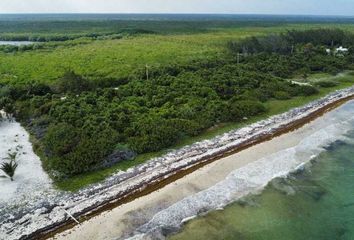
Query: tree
[[7, 105], [60, 139], [73, 83], [245, 108]]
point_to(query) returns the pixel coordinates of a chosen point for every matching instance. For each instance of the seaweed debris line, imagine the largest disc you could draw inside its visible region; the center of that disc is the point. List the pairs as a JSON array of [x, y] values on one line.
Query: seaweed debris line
[[217, 184]]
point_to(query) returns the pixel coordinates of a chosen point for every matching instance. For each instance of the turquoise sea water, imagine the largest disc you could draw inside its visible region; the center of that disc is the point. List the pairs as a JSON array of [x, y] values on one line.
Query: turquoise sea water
[[316, 203]]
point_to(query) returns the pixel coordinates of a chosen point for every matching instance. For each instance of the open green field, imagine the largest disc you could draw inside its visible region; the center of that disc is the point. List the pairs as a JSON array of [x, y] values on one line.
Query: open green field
[[113, 58], [116, 59]]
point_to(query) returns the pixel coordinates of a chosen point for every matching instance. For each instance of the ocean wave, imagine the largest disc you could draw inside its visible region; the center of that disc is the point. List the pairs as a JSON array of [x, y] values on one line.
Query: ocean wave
[[251, 178]]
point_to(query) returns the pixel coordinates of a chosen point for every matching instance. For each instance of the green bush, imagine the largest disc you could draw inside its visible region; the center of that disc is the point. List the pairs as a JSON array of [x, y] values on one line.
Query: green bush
[[281, 95], [72, 151], [60, 139], [326, 84], [246, 108], [73, 83], [153, 133], [303, 90], [7, 104]]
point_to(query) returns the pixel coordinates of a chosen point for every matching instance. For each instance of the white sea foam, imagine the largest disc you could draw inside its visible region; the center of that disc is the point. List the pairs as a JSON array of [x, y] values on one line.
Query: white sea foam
[[254, 176]]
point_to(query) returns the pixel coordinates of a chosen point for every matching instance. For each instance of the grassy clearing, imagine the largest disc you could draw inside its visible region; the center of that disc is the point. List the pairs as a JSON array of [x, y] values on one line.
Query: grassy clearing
[[274, 107], [118, 58], [114, 58], [316, 77]]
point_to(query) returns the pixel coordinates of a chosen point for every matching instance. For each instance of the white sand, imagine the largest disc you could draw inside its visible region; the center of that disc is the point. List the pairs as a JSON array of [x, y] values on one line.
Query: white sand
[[259, 163], [30, 179]]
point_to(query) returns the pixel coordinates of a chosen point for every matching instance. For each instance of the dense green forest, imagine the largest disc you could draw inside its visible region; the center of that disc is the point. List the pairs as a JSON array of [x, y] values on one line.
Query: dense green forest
[[69, 27], [81, 124], [63, 27]]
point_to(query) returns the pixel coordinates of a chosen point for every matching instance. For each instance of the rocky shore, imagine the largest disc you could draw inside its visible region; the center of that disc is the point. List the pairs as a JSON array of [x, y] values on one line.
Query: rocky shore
[[32, 221]]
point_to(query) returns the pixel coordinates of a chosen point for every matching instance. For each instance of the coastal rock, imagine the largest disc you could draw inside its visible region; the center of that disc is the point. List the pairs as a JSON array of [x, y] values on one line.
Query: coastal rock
[[116, 157]]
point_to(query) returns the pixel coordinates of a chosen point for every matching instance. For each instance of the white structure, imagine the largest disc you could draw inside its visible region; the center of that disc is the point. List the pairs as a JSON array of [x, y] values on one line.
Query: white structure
[[341, 50]]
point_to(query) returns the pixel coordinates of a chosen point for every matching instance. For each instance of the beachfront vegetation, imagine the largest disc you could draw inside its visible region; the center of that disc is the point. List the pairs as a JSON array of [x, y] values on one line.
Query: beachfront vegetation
[[88, 110]]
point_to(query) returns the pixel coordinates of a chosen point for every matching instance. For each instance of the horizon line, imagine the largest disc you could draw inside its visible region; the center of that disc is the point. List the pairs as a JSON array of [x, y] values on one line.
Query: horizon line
[[177, 13]]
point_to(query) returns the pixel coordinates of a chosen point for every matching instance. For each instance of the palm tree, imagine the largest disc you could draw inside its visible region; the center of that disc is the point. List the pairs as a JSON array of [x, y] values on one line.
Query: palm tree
[[9, 168], [11, 157]]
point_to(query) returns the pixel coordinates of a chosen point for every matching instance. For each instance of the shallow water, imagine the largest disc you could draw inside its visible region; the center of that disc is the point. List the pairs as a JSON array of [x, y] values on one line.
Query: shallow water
[[317, 203], [303, 145], [15, 43]]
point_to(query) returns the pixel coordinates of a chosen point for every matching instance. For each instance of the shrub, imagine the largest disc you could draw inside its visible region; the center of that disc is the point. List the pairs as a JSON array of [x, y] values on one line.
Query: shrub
[[303, 90], [153, 134], [326, 84], [281, 95], [60, 139], [9, 168], [245, 108], [73, 83], [72, 151]]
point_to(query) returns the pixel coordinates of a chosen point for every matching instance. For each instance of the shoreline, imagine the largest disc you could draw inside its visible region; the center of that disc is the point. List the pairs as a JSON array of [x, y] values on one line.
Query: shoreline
[[228, 179], [162, 173]]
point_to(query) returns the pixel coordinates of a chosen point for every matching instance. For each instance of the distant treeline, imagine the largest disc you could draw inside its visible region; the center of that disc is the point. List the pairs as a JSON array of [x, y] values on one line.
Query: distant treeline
[[287, 43], [36, 37], [45, 28], [79, 123], [37, 27], [49, 41]]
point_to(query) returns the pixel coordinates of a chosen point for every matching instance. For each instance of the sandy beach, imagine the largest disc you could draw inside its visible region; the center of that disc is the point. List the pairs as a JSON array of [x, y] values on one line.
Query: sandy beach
[[31, 181], [122, 221]]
